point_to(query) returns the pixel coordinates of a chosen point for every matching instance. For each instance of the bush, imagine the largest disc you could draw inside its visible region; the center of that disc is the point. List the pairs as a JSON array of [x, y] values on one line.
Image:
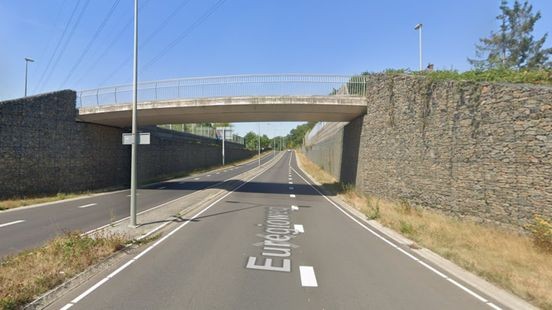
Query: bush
[[541, 230]]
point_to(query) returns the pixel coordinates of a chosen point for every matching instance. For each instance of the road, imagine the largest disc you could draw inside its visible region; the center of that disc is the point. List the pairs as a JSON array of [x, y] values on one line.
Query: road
[[274, 243], [26, 228]]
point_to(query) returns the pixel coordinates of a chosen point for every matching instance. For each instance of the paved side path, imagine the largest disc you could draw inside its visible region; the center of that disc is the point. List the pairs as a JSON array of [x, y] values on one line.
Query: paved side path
[[274, 243]]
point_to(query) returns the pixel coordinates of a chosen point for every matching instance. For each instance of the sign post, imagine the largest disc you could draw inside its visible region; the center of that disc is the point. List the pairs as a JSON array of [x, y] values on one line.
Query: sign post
[[224, 131]]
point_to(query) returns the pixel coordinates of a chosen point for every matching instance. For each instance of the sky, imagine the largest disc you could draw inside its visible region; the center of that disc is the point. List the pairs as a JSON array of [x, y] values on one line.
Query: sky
[[239, 37]]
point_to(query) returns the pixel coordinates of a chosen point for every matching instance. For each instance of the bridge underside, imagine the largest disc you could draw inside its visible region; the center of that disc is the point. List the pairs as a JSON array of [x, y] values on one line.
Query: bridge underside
[[230, 109]]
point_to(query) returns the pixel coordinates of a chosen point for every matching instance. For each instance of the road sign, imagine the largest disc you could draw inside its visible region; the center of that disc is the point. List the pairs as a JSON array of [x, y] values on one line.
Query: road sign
[[143, 138]]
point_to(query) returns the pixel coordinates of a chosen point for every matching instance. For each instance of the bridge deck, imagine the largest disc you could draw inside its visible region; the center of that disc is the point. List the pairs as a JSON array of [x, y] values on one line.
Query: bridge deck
[[230, 109]]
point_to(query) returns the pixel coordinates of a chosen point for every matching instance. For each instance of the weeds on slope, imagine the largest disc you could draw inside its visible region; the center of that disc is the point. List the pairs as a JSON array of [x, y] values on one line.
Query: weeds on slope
[[27, 275], [519, 263]]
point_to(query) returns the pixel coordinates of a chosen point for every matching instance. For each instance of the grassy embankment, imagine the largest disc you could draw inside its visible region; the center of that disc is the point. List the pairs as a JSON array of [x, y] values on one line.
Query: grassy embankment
[[519, 263], [27, 275]]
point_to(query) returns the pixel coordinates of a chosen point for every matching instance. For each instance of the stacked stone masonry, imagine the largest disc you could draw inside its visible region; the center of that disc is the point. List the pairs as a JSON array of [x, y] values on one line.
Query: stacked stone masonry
[[477, 150], [44, 150]]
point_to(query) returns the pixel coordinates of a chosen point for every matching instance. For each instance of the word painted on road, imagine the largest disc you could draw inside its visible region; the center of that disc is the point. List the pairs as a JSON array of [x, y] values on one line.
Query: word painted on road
[[278, 231]]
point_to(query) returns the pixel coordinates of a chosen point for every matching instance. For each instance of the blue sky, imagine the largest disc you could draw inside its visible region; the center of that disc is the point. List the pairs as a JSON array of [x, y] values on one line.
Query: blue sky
[[242, 36]]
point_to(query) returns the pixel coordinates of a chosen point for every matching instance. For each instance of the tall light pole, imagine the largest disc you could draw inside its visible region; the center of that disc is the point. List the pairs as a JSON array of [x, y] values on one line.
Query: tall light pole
[[134, 150], [419, 28], [259, 138], [27, 60]]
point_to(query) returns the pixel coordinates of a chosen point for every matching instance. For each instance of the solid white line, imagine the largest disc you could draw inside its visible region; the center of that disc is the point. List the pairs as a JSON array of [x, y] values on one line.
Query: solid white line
[[111, 275], [467, 290], [67, 306], [88, 205], [294, 208], [292, 196], [299, 228], [308, 278], [12, 223]]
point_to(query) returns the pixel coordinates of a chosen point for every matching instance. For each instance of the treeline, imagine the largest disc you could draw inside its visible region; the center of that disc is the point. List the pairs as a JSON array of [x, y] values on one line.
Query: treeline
[[292, 140]]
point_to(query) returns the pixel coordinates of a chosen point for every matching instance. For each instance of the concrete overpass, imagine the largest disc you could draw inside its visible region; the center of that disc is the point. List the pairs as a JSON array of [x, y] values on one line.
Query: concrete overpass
[[245, 98]]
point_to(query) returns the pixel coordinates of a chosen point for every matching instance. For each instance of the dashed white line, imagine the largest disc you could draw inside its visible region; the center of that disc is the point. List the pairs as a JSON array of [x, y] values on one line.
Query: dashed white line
[[294, 208], [299, 228], [290, 182], [308, 278], [87, 206], [291, 196], [291, 187], [12, 223]]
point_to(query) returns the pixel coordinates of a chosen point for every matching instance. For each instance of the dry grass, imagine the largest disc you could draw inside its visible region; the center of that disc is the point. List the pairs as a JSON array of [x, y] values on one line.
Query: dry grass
[[20, 202], [506, 258], [29, 274]]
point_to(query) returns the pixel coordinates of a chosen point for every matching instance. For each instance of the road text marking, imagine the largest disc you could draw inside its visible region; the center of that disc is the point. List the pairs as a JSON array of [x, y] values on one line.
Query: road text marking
[[88, 205], [308, 278], [12, 223]]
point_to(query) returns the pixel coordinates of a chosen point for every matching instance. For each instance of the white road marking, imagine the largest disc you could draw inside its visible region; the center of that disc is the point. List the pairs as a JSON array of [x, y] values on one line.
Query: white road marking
[[299, 228], [452, 281], [291, 187], [88, 205], [162, 187], [196, 179], [289, 179], [290, 182], [308, 278], [217, 173], [136, 195], [111, 275], [294, 208], [291, 196], [12, 223], [208, 175]]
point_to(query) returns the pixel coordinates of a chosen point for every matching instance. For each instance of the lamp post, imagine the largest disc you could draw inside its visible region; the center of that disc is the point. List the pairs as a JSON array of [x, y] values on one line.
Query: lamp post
[[259, 141], [27, 60], [134, 145], [419, 28]]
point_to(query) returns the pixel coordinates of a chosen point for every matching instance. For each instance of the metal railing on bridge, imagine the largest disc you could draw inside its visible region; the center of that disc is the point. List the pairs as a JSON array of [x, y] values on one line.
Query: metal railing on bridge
[[227, 86]]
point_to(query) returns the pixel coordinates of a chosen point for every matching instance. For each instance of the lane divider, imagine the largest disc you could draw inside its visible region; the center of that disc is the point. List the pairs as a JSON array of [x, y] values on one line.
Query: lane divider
[[291, 196], [12, 223], [294, 208], [88, 205], [299, 228], [308, 278]]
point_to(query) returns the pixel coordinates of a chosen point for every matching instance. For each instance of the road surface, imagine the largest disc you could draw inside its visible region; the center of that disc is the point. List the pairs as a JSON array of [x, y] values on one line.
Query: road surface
[[30, 227], [274, 243]]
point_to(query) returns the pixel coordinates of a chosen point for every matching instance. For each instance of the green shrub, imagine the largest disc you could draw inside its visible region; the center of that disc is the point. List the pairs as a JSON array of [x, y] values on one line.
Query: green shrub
[[541, 230]]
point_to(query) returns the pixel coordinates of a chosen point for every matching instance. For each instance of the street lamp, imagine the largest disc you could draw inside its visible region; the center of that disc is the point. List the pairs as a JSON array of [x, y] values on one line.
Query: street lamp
[[259, 140], [419, 28], [134, 146], [27, 60]]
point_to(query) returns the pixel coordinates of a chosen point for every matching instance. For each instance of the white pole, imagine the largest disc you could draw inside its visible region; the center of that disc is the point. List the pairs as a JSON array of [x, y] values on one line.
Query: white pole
[[223, 137], [259, 140], [419, 28], [134, 150]]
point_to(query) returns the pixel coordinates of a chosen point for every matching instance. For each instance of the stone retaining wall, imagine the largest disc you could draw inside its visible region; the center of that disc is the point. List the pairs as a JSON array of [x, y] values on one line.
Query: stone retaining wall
[[43, 150]]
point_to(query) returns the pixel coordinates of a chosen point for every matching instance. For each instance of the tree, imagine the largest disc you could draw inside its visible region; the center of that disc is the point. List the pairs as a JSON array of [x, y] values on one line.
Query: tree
[[514, 46], [251, 139]]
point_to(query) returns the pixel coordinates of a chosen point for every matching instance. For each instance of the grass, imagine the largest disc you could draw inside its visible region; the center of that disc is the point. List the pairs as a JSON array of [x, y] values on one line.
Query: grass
[[542, 76], [27, 275], [519, 263], [27, 201]]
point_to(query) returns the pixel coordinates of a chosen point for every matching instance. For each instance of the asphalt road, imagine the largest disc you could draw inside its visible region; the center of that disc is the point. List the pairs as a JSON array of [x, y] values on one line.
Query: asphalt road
[[274, 243], [26, 228]]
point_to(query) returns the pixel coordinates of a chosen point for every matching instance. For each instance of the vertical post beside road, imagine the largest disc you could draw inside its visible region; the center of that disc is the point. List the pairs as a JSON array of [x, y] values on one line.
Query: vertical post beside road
[[223, 138], [133, 177], [259, 140]]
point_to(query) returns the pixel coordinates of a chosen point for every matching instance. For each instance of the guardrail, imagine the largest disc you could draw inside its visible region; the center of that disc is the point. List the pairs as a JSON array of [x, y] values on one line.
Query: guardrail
[[227, 86]]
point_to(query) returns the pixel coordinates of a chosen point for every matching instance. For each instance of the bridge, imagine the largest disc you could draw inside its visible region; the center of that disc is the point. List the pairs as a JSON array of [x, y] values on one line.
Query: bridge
[[236, 98]]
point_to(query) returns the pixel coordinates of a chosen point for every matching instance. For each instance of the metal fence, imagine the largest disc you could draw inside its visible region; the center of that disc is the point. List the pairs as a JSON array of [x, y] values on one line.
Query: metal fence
[[203, 131], [227, 86]]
